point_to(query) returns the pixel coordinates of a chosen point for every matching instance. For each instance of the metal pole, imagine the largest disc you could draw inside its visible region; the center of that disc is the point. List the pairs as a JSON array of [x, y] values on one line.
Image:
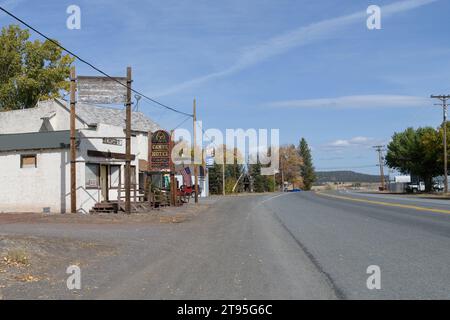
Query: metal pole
[[73, 152], [128, 145], [195, 150]]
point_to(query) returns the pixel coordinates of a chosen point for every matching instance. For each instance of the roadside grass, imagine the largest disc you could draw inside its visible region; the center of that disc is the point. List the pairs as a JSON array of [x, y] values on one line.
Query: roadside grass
[[17, 257]]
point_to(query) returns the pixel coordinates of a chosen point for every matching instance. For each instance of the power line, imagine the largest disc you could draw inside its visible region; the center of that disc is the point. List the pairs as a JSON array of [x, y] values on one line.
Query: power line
[[91, 65], [182, 122]]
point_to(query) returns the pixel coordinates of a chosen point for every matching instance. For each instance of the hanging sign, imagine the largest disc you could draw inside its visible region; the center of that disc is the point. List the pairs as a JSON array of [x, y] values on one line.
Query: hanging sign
[[160, 151]]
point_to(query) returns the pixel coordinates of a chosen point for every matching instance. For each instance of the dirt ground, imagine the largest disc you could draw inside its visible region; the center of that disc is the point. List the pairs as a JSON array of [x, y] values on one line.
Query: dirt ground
[[163, 215], [29, 258]]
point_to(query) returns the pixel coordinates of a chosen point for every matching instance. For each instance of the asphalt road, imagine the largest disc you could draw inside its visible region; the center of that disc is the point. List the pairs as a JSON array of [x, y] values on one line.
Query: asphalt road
[[410, 244], [283, 246]]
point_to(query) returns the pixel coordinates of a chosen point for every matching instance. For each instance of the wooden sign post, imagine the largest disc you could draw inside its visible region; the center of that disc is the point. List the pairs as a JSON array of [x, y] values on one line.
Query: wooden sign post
[[160, 160]]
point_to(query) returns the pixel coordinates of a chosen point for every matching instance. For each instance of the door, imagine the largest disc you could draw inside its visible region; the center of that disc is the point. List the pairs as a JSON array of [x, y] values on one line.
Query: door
[[104, 183]]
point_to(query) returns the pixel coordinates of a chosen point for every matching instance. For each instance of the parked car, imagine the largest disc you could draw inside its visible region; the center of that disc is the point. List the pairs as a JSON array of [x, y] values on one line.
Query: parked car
[[438, 187], [416, 187]]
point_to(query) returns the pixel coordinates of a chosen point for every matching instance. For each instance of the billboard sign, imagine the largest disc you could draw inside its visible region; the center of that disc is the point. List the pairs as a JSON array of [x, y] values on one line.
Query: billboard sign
[[402, 179], [101, 90]]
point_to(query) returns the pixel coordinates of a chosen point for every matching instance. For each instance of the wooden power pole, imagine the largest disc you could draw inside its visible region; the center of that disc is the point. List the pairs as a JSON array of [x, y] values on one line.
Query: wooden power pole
[[128, 145], [195, 152], [173, 183], [444, 99], [73, 151], [379, 149], [223, 171]]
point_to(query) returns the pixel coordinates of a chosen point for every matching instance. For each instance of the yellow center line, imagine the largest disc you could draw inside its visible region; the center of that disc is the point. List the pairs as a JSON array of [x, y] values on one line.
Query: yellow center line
[[389, 204]]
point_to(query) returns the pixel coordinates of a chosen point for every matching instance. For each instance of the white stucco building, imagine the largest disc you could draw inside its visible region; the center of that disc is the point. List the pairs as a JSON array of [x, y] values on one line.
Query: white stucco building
[[35, 162]]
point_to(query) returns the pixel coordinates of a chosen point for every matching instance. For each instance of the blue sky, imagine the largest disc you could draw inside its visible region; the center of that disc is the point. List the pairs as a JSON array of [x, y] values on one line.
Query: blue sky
[[310, 68]]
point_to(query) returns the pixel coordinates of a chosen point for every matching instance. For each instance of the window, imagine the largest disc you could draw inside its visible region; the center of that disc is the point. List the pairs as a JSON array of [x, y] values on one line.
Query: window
[[114, 173], [92, 175], [133, 175], [28, 161]]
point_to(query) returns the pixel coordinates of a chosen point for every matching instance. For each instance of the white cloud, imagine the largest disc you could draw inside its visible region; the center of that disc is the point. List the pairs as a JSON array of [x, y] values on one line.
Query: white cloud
[[355, 142], [362, 101], [292, 39], [9, 5]]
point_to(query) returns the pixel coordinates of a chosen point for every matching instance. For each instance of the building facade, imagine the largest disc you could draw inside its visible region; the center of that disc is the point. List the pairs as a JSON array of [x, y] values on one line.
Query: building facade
[[35, 161]]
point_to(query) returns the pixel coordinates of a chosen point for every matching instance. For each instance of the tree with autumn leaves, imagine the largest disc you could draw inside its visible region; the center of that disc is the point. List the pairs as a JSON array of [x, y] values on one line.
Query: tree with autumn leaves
[[296, 166]]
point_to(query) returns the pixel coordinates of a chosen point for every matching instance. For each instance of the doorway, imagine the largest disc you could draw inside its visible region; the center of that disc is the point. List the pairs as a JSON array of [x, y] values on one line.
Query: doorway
[[104, 193]]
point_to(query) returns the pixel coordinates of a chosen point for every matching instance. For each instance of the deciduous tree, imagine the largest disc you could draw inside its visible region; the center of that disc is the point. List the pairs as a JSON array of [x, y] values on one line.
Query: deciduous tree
[[30, 70], [416, 152]]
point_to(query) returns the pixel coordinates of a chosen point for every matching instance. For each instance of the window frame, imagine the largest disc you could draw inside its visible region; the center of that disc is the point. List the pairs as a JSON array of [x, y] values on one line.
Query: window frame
[[98, 176], [110, 176], [23, 156]]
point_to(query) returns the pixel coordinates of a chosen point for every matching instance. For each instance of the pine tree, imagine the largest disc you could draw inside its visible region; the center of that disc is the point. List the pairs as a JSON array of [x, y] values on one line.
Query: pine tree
[[215, 179], [258, 180], [307, 169]]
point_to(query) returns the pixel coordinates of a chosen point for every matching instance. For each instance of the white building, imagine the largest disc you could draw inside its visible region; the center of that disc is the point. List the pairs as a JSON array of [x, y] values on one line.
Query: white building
[[35, 162]]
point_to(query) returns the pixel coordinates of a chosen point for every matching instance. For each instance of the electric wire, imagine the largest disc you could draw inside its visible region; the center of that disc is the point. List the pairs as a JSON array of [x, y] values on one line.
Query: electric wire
[[91, 65]]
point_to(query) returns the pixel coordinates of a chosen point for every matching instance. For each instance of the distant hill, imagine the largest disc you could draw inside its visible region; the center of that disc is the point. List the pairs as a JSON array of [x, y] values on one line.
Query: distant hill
[[345, 176]]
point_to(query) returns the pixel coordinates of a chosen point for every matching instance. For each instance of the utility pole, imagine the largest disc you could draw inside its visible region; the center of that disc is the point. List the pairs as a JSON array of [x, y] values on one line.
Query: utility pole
[[444, 99], [73, 151], [379, 149], [148, 179], [223, 171], [128, 145], [173, 187], [274, 180], [195, 152]]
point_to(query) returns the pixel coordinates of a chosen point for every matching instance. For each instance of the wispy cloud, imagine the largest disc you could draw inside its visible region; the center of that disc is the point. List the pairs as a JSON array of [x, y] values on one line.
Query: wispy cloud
[[364, 101], [299, 37], [355, 142], [9, 4]]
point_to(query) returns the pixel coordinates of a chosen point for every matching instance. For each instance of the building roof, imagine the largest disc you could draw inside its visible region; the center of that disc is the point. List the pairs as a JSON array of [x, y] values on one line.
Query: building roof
[[35, 141], [93, 114]]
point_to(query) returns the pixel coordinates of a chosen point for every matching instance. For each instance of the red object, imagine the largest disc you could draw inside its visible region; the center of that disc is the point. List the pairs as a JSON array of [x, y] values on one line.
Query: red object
[[187, 177]]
